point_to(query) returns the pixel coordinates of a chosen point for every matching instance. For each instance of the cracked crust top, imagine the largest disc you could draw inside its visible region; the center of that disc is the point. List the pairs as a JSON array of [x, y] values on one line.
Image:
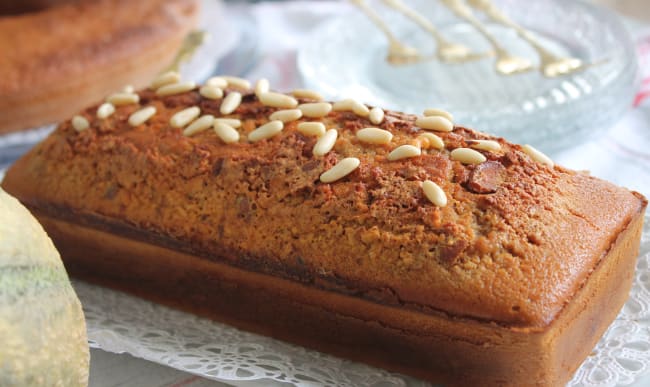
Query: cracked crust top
[[514, 243]]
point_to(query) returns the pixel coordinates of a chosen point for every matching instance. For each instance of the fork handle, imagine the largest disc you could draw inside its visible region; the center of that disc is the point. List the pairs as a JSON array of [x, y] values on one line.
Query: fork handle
[[377, 20], [463, 11], [399, 6], [491, 10]]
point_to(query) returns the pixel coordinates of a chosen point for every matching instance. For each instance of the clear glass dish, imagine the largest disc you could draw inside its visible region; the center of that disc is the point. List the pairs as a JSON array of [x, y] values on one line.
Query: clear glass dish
[[346, 58]]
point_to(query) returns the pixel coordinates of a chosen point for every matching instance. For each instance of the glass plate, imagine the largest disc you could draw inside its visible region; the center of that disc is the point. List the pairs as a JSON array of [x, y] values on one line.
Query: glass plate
[[346, 58]]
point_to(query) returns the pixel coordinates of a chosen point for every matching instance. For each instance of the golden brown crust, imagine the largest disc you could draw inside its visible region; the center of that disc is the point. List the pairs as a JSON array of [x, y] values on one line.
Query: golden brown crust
[[85, 50], [514, 255], [436, 347]]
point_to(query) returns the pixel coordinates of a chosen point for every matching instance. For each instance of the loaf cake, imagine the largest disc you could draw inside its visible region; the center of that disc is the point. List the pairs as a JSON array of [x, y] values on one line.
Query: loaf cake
[[403, 241], [59, 56]]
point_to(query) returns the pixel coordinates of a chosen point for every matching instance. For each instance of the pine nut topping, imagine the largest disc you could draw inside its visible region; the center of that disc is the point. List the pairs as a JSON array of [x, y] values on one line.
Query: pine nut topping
[[325, 143], [467, 156], [434, 193], [175, 88], [211, 92], [311, 128], [340, 170], [316, 109], [286, 115], [262, 86], [278, 100], [105, 110], [219, 82], [234, 122], [184, 117], [486, 145], [360, 109], [80, 123], [307, 94], [119, 99], [236, 82], [141, 116], [165, 79], [230, 103], [352, 105], [376, 115], [226, 133], [199, 125], [343, 105], [265, 131], [537, 155], [375, 136], [430, 140], [438, 112], [128, 89], [404, 152], [436, 123]]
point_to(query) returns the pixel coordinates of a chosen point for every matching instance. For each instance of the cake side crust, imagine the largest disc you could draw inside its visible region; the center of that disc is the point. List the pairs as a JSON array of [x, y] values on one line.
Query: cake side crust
[[434, 347]]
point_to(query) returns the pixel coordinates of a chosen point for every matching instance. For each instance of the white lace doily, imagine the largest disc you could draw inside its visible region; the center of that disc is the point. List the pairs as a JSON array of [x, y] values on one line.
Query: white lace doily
[[120, 323]]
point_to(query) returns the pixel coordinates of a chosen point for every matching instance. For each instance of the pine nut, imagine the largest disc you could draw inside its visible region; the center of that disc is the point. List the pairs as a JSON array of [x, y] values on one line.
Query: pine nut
[[265, 131], [351, 105], [307, 94], [278, 100], [226, 133], [119, 99], [141, 116], [236, 82], [403, 152], [431, 112], [165, 79], [434, 193], [343, 105], [467, 156], [234, 122], [175, 88], [436, 123], [431, 141], [375, 136], [105, 110], [315, 109], [262, 86], [211, 92], [537, 155], [80, 123], [325, 143], [486, 145], [230, 103], [312, 128], [199, 125], [219, 82], [340, 170], [286, 115], [360, 109], [376, 115], [184, 117]]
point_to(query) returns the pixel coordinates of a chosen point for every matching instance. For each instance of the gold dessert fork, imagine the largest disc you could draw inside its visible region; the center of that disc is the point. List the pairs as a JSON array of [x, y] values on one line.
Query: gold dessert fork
[[190, 44], [551, 65], [446, 51], [506, 63], [398, 53]]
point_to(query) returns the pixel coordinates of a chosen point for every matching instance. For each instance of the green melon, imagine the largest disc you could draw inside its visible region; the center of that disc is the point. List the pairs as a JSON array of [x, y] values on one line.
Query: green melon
[[42, 329]]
